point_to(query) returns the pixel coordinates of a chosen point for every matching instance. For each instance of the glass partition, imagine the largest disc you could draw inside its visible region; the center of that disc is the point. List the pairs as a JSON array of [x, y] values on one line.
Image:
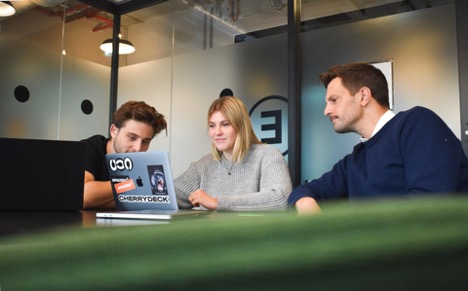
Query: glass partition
[[177, 27], [187, 52], [420, 41], [55, 80]]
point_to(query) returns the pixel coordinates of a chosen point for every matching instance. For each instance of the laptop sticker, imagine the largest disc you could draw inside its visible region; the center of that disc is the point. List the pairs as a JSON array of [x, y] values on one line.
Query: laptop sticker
[[124, 186], [157, 179]]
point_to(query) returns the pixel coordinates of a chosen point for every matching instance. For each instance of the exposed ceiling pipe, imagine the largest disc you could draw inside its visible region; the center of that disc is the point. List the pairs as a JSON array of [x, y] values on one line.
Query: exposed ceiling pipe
[[410, 5], [107, 23]]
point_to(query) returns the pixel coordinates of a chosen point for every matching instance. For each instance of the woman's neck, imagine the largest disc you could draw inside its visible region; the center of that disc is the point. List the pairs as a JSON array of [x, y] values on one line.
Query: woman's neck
[[227, 156]]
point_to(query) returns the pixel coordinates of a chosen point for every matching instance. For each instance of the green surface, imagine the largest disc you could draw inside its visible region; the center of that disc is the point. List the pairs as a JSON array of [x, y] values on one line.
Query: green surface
[[419, 244]]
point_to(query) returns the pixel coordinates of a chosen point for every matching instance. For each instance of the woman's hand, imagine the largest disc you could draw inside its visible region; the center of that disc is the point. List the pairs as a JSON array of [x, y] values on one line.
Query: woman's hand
[[201, 198]]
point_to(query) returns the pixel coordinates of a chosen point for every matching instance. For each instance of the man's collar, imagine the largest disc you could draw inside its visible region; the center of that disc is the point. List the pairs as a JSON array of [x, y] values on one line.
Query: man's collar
[[386, 117]]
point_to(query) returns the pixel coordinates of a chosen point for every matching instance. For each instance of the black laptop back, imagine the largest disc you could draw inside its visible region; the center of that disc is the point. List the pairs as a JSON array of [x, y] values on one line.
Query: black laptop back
[[41, 175]]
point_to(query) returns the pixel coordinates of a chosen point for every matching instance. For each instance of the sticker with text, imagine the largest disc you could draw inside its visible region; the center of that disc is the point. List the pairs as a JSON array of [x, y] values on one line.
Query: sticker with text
[[124, 186]]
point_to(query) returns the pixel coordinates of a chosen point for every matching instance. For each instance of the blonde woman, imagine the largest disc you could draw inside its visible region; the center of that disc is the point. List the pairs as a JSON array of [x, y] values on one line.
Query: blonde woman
[[241, 173]]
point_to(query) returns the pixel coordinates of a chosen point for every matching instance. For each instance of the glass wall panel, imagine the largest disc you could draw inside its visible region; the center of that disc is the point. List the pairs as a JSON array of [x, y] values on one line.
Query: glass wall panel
[[176, 27], [55, 81], [54, 78], [187, 52], [422, 45]]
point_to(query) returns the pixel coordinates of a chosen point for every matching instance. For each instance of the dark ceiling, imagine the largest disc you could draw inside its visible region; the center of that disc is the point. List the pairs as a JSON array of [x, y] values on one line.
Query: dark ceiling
[[121, 7], [128, 6]]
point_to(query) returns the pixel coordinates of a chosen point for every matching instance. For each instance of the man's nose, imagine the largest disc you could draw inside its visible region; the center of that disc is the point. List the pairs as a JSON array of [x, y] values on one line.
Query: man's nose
[[137, 146], [326, 111]]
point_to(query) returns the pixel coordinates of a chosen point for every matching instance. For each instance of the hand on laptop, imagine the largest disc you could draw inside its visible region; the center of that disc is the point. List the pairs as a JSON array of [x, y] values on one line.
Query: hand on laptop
[[201, 198]]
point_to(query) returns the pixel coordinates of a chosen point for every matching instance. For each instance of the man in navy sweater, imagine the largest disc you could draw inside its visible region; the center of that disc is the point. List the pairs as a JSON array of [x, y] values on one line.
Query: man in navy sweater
[[410, 153]]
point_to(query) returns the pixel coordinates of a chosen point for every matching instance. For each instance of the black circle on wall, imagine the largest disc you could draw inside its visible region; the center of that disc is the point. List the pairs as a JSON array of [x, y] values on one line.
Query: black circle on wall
[[87, 107], [21, 93]]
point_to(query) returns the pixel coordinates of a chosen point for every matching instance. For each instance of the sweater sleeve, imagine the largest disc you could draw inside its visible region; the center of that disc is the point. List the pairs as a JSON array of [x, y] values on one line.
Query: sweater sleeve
[[332, 184], [274, 183], [185, 184], [432, 154]]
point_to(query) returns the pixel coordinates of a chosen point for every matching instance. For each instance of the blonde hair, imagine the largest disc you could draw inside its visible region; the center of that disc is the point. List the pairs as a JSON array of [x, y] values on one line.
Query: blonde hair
[[235, 112]]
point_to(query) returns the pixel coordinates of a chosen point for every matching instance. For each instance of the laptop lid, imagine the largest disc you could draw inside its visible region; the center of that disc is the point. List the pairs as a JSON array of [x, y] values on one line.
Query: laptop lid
[[41, 175], [142, 181]]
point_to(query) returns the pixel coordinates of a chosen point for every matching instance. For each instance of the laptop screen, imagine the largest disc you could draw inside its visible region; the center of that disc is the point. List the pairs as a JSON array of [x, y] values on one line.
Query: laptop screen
[[142, 180], [42, 175]]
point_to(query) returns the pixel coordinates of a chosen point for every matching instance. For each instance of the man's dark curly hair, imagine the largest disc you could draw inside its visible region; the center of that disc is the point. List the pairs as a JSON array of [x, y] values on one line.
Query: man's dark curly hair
[[142, 112], [354, 76]]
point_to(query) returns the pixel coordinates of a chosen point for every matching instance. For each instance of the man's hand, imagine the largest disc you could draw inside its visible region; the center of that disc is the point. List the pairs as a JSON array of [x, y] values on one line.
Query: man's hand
[[307, 205]]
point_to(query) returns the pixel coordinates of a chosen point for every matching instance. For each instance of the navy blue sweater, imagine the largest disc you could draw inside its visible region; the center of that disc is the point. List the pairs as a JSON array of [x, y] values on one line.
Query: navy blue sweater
[[414, 153]]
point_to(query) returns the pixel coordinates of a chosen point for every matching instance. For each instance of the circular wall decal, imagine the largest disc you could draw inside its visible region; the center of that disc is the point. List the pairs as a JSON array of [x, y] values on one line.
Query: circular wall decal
[[87, 107], [270, 121], [21, 93]]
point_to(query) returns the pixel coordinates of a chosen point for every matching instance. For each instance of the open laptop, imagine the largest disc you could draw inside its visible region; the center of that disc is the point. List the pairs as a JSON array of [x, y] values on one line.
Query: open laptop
[[41, 175], [143, 187]]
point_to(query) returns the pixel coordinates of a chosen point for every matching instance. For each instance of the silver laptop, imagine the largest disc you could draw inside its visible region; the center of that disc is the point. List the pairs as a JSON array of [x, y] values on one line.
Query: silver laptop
[[143, 187]]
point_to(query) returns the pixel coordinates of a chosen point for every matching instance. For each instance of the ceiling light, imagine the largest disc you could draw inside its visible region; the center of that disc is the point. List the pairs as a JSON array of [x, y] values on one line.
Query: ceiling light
[[125, 47], [6, 9]]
